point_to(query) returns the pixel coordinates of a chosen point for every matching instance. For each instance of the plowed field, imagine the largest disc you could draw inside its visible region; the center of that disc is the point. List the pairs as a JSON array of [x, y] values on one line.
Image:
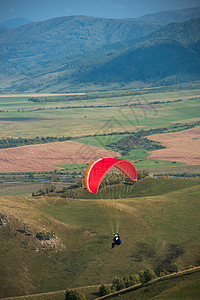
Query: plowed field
[[181, 146], [43, 157]]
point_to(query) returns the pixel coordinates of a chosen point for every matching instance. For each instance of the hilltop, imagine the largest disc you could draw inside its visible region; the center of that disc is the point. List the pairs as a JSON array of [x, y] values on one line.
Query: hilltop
[[172, 16]]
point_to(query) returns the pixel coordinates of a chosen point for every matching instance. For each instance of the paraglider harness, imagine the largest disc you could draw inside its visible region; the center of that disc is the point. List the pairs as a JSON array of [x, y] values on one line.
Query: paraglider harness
[[116, 240]]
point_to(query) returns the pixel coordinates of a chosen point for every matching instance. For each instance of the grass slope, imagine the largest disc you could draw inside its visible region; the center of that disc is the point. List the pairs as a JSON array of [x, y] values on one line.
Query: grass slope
[[150, 227], [183, 285]]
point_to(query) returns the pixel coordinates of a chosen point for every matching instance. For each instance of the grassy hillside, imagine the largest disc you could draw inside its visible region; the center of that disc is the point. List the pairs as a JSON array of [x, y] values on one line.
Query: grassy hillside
[[152, 228], [183, 285]]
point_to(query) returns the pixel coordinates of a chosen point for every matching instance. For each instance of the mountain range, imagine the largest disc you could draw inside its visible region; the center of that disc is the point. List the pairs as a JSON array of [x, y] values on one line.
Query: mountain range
[[69, 53]]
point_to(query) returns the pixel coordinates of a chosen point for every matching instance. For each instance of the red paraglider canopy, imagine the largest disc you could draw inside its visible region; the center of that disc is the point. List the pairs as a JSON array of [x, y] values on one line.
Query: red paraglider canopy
[[98, 169]]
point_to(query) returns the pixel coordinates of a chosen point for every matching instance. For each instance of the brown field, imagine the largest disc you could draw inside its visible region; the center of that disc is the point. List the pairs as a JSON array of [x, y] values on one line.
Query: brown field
[[181, 146], [43, 157], [41, 95]]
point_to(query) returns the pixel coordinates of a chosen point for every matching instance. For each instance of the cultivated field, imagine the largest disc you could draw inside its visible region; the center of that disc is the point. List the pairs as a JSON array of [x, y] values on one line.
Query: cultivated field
[[22, 118], [90, 121], [181, 146], [43, 157], [40, 95]]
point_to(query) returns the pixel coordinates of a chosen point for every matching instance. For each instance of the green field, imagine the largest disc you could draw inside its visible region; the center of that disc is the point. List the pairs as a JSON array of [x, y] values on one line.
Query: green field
[[22, 118], [149, 226]]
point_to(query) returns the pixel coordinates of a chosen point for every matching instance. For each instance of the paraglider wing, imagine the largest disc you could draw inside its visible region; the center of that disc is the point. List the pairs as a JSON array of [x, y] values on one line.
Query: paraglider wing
[[98, 169]]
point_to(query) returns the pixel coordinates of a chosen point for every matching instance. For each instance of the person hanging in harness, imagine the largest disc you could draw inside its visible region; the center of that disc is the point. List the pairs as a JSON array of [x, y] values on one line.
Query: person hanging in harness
[[116, 240]]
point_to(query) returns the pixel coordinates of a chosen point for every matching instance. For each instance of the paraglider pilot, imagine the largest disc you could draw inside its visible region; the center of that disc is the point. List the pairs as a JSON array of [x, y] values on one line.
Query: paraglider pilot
[[116, 240]]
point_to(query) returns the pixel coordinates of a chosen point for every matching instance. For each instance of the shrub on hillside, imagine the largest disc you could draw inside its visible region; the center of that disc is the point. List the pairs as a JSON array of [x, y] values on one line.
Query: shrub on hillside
[[146, 275], [45, 235], [104, 290], [118, 284], [3, 219], [130, 280], [74, 295], [127, 281]]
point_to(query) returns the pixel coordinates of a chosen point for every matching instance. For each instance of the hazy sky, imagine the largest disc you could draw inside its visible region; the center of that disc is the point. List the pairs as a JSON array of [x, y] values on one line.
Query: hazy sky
[[38, 10]]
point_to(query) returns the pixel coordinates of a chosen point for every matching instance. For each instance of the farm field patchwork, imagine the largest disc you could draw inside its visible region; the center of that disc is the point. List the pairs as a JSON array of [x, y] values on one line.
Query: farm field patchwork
[[95, 122], [181, 146], [43, 157], [22, 118]]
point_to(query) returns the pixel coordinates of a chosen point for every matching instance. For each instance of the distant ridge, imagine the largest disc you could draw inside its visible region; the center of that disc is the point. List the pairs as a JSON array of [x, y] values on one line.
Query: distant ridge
[[171, 16], [66, 54], [167, 56], [16, 22]]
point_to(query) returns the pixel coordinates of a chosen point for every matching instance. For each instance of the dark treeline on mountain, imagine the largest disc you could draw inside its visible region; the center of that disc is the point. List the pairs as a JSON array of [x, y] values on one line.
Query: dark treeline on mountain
[[67, 53], [171, 55]]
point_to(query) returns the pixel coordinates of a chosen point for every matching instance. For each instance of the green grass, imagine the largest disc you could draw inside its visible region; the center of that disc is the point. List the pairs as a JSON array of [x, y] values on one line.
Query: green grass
[[183, 285], [90, 292], [101, 141], [82, 226], [177, 287], [139, 158], [77, 122]]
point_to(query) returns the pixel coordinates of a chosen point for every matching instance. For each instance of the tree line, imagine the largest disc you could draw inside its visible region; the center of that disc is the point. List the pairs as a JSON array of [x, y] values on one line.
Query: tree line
[[115, 185], [135, 139], [119, 283], [10, 142], [89, 96], [138, 140]]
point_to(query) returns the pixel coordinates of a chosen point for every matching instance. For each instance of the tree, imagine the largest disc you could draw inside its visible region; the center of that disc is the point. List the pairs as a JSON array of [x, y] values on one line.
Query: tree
[[104, 290], [147, 275], [118, 283], [53, 188], [130, 280], [74, 295], [30, 175], [173, 268]]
